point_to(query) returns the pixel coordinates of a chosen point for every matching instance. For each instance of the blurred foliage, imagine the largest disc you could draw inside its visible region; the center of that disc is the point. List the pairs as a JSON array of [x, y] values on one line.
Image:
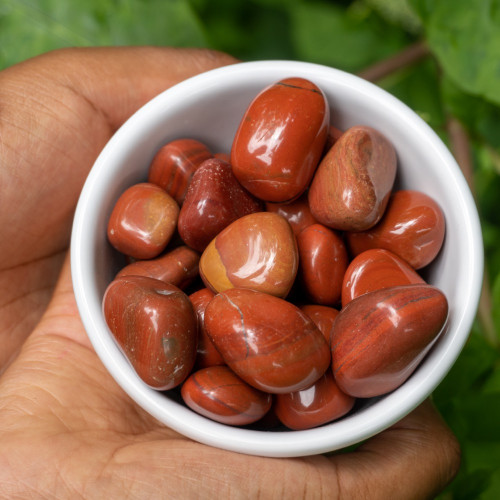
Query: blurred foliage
[[460, 78]]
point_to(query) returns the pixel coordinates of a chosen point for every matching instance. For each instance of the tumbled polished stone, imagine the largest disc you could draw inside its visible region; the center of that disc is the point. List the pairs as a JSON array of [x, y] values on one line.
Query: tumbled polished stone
[[219, 394], [178, 267], [155, 325], [214, 199], [174, 165], [375, 269], [323, 317], [380, 338], [207, 354], [297, 213], [280, 139], [319, 404], [353, 182], [143, 221], [413, 227], [267, 341], [258, 251], [323, 261]]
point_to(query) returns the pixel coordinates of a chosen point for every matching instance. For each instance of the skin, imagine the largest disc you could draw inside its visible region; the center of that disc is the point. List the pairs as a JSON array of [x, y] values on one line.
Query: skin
[[66, 429]]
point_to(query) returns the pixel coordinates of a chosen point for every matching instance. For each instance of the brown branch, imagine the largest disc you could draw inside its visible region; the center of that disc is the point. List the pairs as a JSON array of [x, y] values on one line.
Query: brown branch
[[403, 59], [461, 149]]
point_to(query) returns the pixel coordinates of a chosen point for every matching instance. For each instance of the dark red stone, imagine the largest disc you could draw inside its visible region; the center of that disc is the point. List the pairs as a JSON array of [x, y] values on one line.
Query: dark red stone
[[413, 227], [380, 338], [375, 269], [178, 267], [155, 325], [174, 165], [207, 354], [267, 341], [323, 261], [280, 140], [319, 404], [214, 199], [217, 393], [323, 317], [297, 213]]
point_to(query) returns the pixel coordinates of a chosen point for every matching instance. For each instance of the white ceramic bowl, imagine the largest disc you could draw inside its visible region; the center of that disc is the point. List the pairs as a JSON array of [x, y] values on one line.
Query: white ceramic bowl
[[209, 107]]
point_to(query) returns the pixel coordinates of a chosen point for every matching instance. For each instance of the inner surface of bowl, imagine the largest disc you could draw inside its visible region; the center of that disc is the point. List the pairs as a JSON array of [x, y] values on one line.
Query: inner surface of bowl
[[209, 107]]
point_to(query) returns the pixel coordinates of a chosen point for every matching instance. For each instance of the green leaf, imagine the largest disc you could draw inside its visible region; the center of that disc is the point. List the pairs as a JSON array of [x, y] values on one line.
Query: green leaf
[[480, 117], [474, 363], [468, 486], [415, 86], [464, 36], [349, 39], [31, 27], [495, 297]]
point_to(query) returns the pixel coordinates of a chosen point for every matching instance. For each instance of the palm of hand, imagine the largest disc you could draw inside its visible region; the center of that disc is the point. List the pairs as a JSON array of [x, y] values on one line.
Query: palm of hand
[[66, 428]]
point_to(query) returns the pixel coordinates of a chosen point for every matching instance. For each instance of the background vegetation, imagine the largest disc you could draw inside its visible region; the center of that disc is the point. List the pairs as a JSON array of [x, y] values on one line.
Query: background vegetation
[[441, 57]]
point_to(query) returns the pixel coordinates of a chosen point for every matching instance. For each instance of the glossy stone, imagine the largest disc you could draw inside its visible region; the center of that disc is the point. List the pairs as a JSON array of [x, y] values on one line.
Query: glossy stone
[[207, 354], [380, 338], [323, 261], [413, 227], [334, 134], [376, 269], [267, 341], [143, 221], [280, 140], [155, 325], [319, 404], [174, 165], [297, 213], [217, 393], [323, 317], [353, 182], [258, 251], [178, 267], [214, 199]]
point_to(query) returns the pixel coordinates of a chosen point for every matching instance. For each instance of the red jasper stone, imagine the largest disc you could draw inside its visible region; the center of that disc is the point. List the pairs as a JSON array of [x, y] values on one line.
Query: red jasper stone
[[380, 338], [214, 199], [223, 156], [267, 341], [297, 213], [352, 185], [207, 354], [258, 251], [413, 227], [219, 394], [333, 136], [174, 165], [376, 269], [143, 221], [319, 404], [178, 267], [323, 261], [280, 140], [155, 325], [323, 317]]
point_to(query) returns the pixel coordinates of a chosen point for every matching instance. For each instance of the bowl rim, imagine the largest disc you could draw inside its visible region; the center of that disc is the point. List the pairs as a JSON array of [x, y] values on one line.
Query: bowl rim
[[374, 418]]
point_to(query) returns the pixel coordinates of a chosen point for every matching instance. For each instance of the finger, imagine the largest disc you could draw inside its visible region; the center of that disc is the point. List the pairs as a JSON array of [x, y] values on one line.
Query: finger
[[415, 458], [57, 112]]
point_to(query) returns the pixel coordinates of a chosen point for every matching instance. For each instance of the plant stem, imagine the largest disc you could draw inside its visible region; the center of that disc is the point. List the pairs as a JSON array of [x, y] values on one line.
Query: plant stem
[[460, 147], [406, 57]]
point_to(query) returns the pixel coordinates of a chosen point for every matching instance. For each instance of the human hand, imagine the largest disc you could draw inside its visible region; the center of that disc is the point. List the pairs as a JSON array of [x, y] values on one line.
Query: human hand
[[66, 428]]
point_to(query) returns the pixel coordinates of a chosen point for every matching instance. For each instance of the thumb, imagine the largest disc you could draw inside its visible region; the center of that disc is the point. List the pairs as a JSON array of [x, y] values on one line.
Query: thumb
[[58, 111]]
